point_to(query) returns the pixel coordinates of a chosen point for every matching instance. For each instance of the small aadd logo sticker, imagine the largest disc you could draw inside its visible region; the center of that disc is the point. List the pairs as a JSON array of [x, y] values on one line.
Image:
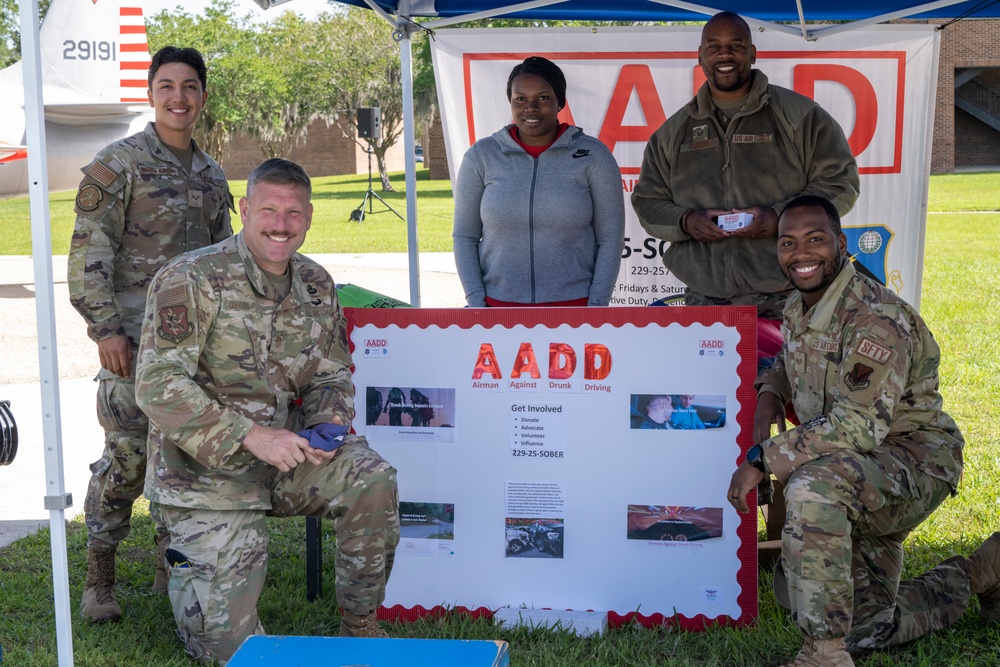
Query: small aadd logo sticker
[[711, 347], [376, 348]]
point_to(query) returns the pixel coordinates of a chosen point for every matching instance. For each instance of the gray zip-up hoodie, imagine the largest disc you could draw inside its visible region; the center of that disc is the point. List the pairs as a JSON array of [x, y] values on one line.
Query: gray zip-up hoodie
[[539, 230]]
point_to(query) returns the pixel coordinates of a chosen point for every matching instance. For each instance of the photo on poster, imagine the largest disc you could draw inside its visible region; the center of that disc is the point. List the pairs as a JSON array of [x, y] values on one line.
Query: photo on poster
[[673, 523], [410, 413], [426, 529], [677, 412], [534, 538]]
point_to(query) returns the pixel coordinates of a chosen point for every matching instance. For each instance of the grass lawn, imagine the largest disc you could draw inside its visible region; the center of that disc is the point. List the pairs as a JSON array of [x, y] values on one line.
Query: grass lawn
[[334, 198], [959, 304]]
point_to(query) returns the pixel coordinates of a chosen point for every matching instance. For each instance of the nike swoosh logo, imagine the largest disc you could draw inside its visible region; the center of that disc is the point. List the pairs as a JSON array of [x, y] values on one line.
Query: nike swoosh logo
[[581, 152]]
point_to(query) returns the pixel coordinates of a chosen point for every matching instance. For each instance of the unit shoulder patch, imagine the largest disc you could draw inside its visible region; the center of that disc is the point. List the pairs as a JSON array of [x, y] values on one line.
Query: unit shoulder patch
[[174, 324], [859, 377]]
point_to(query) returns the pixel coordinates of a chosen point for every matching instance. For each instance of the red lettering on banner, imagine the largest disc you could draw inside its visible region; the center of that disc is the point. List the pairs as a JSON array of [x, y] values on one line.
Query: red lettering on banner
[[562, 361], [712, 344], [566, 116], [698, 80], [861, 89], [525, 363], [639, 79], [596, 361], [486, 362]]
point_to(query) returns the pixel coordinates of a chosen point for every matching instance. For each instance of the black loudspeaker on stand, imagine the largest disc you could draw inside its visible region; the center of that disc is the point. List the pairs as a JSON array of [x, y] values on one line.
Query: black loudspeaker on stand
[[369, 129]]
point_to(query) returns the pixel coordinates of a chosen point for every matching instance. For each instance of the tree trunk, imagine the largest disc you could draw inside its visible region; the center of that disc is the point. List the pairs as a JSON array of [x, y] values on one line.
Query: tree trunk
[[382, 173]]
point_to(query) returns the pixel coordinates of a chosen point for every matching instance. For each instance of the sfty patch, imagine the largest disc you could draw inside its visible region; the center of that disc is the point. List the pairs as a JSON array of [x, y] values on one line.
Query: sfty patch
[[174, 324], [877, 353], [89, 197], [859, 377]]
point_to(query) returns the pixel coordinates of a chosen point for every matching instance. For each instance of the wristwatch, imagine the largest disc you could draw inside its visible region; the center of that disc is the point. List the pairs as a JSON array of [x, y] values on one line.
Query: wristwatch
[[755, 457]]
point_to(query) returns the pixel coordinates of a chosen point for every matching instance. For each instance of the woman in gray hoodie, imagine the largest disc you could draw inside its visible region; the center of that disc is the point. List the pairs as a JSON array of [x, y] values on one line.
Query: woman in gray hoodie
[[539, 210]]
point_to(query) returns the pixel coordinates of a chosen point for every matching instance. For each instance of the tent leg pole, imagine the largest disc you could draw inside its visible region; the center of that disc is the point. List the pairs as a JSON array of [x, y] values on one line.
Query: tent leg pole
[[406, 67], [56, 499]]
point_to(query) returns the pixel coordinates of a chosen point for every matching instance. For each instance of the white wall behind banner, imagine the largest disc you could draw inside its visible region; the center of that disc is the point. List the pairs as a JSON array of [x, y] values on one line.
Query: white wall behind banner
[[879, 83]]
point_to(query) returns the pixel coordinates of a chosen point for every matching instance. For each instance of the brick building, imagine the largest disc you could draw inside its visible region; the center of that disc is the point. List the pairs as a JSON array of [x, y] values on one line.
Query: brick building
[[967, 116], [326, 151]]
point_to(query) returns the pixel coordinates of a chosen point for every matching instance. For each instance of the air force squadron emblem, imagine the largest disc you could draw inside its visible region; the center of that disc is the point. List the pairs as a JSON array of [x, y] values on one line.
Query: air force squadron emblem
[[859, 377], [174, 324]]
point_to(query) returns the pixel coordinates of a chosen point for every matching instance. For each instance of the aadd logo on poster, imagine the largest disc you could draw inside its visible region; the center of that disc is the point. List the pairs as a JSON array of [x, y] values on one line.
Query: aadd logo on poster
[[562, 375]]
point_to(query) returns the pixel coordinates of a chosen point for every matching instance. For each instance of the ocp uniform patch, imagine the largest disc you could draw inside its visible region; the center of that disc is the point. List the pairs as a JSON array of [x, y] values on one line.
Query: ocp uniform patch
[[865, 370], [102, 173], [859, 377], [173, 322], [89, 197], [174, 325]]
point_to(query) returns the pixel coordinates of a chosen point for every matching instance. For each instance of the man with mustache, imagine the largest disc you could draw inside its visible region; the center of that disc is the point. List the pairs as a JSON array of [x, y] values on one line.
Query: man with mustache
[[741, 145], [245, 344]]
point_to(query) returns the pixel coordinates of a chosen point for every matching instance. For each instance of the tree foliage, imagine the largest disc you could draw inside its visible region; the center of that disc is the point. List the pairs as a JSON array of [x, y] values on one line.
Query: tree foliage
[[10, 30], [273, 80], [366, 73]]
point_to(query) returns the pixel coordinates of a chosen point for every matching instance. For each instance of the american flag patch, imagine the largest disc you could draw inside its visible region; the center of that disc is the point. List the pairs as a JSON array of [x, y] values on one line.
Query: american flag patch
[[171, 296], [101, 173]]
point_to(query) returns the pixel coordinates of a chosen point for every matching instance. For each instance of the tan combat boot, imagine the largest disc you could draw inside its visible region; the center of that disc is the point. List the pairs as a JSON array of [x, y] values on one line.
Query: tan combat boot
[[162, 578], [984, 578], [823, 653], [361, 626], [99, 603]]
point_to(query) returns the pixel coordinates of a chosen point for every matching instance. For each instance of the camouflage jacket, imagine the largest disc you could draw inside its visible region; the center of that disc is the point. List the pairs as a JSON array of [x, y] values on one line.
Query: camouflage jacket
[[219, 354], [135, 209], [861, 370]]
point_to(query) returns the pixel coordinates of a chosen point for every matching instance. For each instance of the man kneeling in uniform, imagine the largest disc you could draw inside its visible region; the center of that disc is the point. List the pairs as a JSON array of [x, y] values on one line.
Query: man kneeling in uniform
[[236, 336], [875, 454]]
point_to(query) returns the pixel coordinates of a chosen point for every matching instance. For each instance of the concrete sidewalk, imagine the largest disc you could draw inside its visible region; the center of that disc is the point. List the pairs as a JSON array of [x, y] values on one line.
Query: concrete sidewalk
[[23, 483]]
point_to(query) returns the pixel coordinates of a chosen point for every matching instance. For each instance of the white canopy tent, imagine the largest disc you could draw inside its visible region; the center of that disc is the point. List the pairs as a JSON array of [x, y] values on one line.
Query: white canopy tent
[[856, 13]]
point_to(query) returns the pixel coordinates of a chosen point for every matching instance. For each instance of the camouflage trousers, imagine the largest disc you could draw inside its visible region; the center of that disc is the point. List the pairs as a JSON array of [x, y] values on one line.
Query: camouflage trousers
[[769, 306], [848, 514], [118, 476], [214, 591]]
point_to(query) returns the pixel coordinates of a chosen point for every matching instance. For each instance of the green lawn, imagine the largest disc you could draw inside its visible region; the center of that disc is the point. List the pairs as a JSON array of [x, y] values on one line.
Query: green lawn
[[959, 304], [334, 198]]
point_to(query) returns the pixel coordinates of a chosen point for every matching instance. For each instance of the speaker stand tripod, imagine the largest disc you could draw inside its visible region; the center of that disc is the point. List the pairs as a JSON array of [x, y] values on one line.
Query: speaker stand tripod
[[358, 214]]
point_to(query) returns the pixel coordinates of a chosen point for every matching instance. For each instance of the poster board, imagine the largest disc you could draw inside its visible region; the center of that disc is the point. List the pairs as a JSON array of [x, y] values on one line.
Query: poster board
[[623, 82], [528, 476]]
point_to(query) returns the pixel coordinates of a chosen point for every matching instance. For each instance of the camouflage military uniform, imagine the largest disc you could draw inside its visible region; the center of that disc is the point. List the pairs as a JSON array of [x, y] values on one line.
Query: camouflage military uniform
[[136, 208], [219, 354], [874, 456]]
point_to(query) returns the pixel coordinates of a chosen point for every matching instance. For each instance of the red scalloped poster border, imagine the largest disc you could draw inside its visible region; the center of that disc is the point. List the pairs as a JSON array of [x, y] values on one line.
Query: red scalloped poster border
[[743, 318], [399, 613]]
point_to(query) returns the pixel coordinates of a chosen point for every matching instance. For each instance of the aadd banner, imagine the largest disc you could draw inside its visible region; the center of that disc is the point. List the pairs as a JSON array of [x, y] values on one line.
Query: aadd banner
[[878, 83], [573, 458]]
